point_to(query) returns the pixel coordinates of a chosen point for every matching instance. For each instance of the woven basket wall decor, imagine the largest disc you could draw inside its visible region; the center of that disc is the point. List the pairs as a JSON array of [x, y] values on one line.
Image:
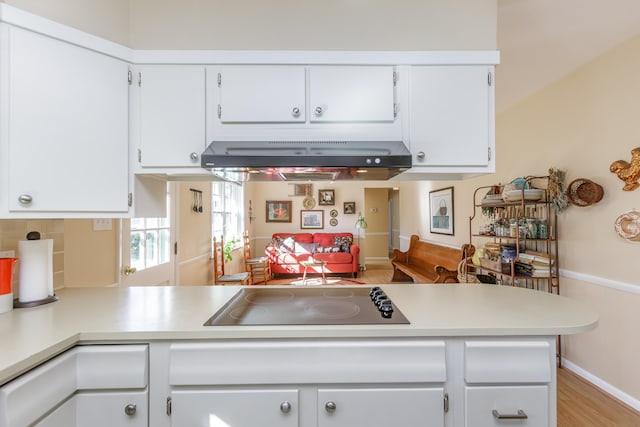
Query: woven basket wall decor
[[584, 192]]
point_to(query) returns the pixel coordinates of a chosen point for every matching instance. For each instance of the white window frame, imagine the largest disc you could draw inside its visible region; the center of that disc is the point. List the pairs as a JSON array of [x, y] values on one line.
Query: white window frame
[[229, 205]]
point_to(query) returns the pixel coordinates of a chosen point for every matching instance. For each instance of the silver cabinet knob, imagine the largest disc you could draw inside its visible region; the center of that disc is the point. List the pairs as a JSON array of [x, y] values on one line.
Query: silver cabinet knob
[[193, 156], [330, 406], [25, 199], [130, 409], [319, 111], [285, 407], [421, 155], [295, 112]]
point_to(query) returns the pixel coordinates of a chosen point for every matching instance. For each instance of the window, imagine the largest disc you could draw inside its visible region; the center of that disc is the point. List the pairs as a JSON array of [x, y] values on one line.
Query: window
[[227, 210]]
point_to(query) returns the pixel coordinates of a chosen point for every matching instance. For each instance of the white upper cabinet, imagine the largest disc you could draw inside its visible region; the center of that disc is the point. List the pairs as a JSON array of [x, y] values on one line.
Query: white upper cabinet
[[65, 120], [169, 121], [308, 102], [262, 94], [351, 94], [451, 116]]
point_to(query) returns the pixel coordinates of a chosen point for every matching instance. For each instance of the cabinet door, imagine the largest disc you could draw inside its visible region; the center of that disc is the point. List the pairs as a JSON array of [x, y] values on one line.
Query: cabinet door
[[112, 409], [67, 126], [262, 94], [237, 408], [172, 115], [450, 115], [510, 405], [411, 407], [351, 94]]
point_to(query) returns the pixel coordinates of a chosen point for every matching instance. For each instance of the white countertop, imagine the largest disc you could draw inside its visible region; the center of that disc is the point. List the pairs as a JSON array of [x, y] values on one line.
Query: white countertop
[[28, 336]]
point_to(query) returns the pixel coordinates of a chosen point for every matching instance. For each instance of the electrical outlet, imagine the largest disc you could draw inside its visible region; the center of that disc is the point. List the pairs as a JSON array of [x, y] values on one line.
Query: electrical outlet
[[7, 254], [102, 224]]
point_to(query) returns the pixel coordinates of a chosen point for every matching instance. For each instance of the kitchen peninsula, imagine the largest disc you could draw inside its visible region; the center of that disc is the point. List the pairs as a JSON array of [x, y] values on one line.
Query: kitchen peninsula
[[466, 348]]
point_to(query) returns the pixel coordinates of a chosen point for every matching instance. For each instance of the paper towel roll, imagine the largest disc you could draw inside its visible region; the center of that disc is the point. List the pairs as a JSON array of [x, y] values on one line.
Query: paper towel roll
[[36, 269]]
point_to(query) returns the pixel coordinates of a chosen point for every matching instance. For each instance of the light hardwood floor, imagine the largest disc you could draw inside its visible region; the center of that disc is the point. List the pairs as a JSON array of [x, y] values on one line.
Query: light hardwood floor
[[580, 403]]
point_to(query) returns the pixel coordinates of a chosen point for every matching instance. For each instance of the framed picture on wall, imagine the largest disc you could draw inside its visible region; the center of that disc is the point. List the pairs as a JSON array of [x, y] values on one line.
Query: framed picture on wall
[[311, 219], [349, 207], [278, 211], [441, 211], [326, 197]]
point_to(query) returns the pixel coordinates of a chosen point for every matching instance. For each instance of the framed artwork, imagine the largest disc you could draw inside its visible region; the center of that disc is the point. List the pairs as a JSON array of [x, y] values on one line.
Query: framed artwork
[[441, 211], [311, 219], [349, 207], [278, 211], [327, 197]]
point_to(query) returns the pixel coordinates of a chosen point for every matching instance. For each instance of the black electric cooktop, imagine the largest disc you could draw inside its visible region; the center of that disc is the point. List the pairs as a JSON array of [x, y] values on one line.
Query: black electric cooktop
[[308, 306]]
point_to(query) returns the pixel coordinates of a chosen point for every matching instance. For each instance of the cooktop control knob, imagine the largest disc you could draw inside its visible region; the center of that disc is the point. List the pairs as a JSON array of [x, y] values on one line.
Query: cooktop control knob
[[386, 311], [380, 299], [374, 290]]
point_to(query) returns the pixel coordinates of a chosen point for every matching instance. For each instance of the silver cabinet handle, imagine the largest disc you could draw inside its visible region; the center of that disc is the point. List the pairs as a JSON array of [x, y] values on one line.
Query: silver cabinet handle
[[421, 155], [519, 416], [330, 406], [25, 199], [319, 111], [285, 407], [295, 112], [193, 156], [130, 409]]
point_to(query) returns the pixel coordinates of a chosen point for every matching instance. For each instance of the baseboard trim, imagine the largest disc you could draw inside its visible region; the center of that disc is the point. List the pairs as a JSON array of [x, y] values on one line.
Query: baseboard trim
[[598, 382]]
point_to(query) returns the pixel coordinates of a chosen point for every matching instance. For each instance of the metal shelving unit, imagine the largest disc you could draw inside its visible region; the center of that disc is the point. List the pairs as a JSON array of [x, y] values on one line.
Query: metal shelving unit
[[488, 222]]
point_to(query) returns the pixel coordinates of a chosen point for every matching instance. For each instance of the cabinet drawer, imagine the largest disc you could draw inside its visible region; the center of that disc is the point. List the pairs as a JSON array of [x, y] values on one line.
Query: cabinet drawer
[[237, 408], [484, 406], [295, 362], [507, 362]]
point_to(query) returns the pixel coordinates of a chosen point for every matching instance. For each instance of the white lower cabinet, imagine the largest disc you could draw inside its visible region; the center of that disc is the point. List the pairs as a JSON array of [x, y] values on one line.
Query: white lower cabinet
[[237, 408], [526, 406], [381, 407], [96, 385], [300, 383]]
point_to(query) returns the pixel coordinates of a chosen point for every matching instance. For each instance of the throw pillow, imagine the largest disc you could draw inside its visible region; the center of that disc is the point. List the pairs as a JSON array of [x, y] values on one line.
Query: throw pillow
[[288, 245], [344, 242]]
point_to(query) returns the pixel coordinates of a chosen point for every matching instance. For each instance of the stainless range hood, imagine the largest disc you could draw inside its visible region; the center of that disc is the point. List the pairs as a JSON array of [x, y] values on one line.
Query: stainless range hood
[[307, 160]]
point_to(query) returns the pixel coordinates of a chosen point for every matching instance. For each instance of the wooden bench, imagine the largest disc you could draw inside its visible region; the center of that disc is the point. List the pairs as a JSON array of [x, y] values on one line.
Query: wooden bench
[[426, 262]]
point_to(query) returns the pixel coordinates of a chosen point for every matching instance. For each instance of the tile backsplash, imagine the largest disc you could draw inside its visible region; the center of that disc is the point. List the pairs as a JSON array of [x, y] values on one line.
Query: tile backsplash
[[14, 230]]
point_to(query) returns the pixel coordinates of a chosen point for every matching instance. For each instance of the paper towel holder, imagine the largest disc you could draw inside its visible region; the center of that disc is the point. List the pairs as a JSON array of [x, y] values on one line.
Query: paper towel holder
[[34, 235]]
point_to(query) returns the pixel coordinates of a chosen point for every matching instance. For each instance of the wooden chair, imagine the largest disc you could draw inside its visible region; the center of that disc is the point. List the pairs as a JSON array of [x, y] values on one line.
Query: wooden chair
[[257, 267], [219, 276]]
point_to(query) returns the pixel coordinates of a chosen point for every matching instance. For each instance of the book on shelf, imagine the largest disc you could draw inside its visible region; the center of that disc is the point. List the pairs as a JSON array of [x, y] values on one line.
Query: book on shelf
[[531, 270]]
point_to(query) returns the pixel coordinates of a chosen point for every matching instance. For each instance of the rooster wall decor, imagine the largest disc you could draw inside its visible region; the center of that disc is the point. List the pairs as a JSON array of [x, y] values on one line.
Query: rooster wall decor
[[628, 172]]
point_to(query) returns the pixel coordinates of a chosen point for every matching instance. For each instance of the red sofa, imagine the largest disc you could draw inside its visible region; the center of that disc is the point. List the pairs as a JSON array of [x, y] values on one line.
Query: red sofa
[[286, 250]]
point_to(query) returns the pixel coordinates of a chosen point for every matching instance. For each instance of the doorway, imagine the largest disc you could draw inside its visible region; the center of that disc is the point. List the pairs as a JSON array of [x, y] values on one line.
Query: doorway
[[381, 211], [147, 256]]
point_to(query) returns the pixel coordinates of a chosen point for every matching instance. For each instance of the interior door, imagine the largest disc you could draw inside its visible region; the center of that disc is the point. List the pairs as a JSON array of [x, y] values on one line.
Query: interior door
[[147, 248]]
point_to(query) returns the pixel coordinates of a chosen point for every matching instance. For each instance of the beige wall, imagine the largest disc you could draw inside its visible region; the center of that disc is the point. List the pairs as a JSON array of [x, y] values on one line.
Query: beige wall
[[108, 19], [194, 238], [313, 25], [90, 257]]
